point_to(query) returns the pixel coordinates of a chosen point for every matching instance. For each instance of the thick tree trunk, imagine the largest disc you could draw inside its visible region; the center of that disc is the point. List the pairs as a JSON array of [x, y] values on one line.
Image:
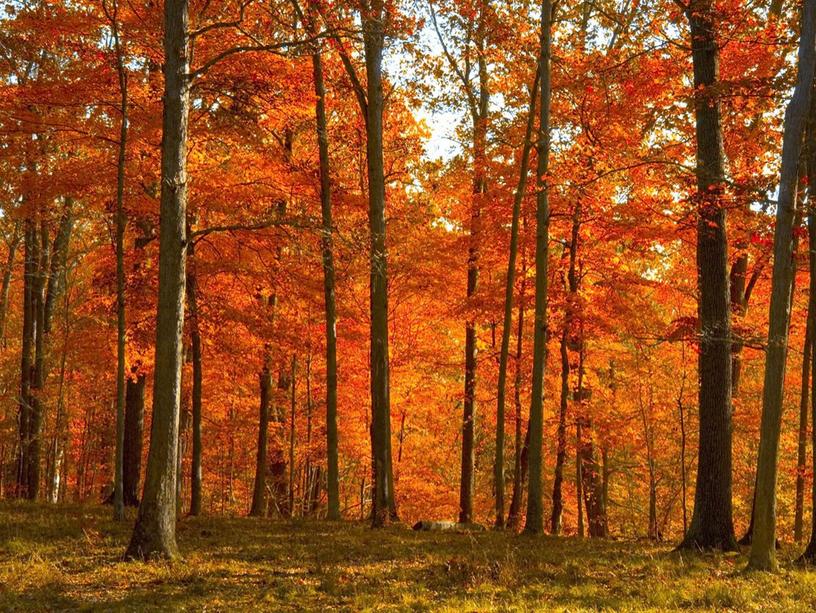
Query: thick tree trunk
[[711, 523], [333, 480], [133, 439], [155, 532], [763, 549], [535, 507], [374, 40]]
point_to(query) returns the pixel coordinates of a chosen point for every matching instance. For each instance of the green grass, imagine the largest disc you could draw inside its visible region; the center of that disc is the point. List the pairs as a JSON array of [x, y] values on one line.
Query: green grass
[[68, 558]]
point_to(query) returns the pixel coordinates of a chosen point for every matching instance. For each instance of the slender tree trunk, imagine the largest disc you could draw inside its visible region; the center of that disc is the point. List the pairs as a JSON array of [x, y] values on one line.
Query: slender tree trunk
[[711, 523], [333, 482], [518, 197], [8, 271], [520, 460], [259, 498], [291, 508], [155, 532], [133, 439], [535, 507], [763, 549], [561, 440], [196, 471], [801, 451], [479, 118], [31, 257], [118, 488]]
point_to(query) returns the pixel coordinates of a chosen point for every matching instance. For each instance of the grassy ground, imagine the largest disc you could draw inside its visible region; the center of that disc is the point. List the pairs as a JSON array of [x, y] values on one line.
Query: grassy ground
[[61, 558]]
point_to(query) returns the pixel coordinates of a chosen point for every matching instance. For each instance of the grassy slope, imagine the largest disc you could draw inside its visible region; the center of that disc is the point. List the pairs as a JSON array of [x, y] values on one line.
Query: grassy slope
[[68, 558]]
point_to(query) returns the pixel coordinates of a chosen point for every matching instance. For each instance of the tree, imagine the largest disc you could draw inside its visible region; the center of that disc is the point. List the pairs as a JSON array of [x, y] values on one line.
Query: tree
[[763, 544], [711, 522], [535, 510], [154, 535]]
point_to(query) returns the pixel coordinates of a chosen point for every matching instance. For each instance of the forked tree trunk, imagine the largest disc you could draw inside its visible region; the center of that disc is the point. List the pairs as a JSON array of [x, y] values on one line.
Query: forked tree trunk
[[154, 535]]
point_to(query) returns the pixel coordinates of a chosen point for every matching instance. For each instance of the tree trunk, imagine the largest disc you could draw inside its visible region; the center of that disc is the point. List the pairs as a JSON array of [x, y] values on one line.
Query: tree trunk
[[479, 118], [259, 501], [561, 440], [801, 450], [763, 549], [711, 523], [195, 340], [118, 479], [31, 257], [509, 286], [133, 439], [155, 532], [520, 460], [535, 507], [374, 40], [8, 271], [333, 483]]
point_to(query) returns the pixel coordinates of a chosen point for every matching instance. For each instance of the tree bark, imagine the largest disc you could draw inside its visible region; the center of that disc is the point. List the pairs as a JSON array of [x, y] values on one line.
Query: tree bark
[[561, 439], [711, 524], [763, 544], [259, 498], [154, 535], [520, 460], [801, 448], [195, 340], [535, 507]]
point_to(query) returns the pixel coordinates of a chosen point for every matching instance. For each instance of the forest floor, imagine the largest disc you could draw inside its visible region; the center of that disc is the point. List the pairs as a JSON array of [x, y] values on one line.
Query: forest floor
[[69, 558]]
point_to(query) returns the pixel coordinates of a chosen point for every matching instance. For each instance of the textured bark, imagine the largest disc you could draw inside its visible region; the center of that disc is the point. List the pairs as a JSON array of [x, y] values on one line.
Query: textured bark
[[154, 535], [133, 439], [711, 524], [535, 506], [763, 549], [373, 41]]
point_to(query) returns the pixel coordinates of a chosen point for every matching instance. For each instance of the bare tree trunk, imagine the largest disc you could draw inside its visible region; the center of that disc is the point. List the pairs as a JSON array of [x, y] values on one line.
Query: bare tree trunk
[[763, 544], [520, 460], [13, 244], [711, 523], [535, 507], [154, 535], [291, 509], [561, 439]]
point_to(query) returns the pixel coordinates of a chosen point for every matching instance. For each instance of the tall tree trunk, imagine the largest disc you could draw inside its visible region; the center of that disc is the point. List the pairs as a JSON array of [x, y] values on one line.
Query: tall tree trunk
[[291, 508], [8, 271], [711, 523], [518, 197], [535, 507], [31, 258], [333, 482], [373, 16], [479, 117], [195, 340], [763, 549], [133, 439], [155, 532], [118, 480]]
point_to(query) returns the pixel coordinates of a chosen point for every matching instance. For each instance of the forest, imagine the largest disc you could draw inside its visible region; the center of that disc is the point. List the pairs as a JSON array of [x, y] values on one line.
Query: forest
[[281, 280]]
